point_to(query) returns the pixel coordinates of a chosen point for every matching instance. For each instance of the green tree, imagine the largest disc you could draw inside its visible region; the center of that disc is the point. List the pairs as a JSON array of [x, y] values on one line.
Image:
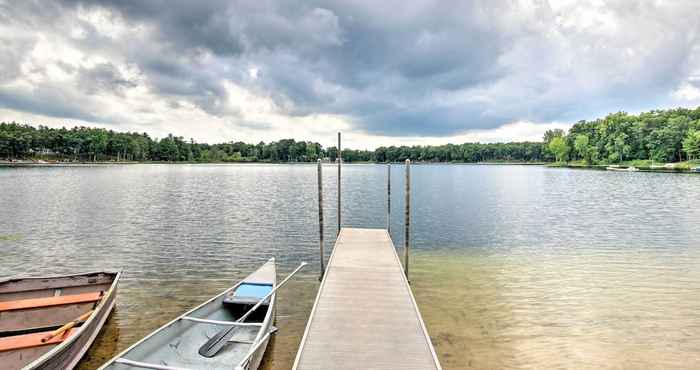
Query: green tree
[[560, 148], [621, 148], [551, 134], [691, 144], [581, 147], [332, 153]]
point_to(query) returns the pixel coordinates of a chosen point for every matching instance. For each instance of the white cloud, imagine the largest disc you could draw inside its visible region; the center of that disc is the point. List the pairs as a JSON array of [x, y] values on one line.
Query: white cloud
[[106, 22], [516, 131], [687, 92], [253, 72]]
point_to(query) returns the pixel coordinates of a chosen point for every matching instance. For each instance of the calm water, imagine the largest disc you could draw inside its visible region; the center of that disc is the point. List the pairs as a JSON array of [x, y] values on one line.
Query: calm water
[[513, 266]]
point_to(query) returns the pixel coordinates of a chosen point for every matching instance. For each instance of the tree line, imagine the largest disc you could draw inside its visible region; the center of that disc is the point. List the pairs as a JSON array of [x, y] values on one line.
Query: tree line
[[18, 141], [21, 141], [659, 135]]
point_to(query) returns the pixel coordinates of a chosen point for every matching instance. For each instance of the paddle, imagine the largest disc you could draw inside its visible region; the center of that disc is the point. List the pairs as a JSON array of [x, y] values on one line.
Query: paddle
[[218, 341]]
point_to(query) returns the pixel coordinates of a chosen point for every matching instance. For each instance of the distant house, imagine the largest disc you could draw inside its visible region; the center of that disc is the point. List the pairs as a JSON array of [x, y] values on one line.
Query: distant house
[[43, 151]]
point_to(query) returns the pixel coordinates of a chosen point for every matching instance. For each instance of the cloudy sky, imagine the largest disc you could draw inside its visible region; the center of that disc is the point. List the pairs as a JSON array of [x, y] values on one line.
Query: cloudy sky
[[382, 72]]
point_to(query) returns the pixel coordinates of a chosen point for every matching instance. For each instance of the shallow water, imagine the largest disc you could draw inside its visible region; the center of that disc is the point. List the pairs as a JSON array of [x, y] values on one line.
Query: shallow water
[[513, 266]]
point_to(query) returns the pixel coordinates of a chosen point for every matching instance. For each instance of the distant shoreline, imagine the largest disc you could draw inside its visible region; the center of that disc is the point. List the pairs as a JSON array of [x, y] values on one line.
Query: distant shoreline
[[61, 164], [27, 163], [596, 167]]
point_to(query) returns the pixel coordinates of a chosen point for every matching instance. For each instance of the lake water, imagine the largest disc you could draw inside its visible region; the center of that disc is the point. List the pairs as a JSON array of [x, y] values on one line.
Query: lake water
[[512, 266]]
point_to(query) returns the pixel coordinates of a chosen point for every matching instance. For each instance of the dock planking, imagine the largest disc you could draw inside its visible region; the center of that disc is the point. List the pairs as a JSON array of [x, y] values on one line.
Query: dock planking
[[365, 316]]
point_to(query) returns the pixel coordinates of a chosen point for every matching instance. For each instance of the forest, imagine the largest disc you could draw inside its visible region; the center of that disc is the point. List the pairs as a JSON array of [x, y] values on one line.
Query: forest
[[661, 135], [19, 141]]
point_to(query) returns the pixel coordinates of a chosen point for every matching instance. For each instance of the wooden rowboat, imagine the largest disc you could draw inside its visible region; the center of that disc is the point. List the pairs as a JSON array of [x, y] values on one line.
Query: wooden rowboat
[[50, 322], [176, 345]]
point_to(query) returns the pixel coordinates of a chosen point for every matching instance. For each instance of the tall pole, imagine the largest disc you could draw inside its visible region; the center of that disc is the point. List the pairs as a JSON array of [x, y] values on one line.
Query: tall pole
[[339, 158], [388, 197], [320, 218], [407, 215]]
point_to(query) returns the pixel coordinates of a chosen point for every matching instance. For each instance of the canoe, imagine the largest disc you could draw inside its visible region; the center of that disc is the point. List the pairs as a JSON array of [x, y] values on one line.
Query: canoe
[[32, 310], [175, 346]]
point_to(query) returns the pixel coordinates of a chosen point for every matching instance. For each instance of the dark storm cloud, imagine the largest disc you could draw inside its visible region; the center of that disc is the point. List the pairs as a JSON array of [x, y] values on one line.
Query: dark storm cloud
[[319, 57], [10, 59], [186, 24], [407, 121], [432, 68], [188, 81], [46, 102], [102, 77]]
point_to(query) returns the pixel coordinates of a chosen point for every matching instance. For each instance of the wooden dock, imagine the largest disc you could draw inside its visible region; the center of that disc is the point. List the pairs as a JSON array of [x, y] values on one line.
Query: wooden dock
[[365, 316]]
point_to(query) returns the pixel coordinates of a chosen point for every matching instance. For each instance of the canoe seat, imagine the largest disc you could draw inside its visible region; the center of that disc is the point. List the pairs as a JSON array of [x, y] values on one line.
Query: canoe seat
[[32, 340], [50, 301], [248, 293]]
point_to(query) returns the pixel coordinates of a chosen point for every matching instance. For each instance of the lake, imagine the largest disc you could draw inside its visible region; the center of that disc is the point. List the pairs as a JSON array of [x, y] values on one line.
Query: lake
[[512, 266]]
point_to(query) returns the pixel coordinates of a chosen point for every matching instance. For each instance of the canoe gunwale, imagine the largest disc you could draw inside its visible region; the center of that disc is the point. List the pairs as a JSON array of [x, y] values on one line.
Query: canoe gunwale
[[255, 347], [263, 332], [94, 333], [43, 359]]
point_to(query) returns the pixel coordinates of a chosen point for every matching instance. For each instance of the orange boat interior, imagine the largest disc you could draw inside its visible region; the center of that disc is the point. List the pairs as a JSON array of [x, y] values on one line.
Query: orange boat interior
[[36, 315]]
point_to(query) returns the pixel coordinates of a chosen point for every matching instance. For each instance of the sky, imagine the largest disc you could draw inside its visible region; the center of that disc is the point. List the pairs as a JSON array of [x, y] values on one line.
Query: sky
[[382, 72]]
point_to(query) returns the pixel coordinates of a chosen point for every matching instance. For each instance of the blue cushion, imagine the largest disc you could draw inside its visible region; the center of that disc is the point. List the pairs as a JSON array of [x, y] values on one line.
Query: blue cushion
[[252, 290]]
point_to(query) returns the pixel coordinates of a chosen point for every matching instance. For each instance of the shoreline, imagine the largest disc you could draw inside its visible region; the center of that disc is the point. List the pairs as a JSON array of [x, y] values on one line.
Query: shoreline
[[113, 163], [29, 164], [602, 167]]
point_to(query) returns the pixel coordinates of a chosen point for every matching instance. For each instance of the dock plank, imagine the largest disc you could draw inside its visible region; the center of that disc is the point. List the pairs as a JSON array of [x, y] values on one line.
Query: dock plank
[[365, 316]]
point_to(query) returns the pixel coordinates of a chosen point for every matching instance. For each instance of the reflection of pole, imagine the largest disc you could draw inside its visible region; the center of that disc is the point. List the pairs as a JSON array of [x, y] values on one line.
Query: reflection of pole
[[320, 218], [339, 158], [388, 197], [407, 215]]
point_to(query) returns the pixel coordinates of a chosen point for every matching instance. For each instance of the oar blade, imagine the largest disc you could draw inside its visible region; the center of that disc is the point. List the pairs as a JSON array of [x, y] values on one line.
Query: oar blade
[[217, 342]]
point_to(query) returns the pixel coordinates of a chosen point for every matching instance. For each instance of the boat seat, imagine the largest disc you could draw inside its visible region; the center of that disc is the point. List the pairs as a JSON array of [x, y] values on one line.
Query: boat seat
[[32, 340], [248, 293], [50, 301]]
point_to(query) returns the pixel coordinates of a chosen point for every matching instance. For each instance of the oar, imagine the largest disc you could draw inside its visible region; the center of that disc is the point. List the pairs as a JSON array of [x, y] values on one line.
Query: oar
[[73, 323], [218, 341], [67, 326]]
